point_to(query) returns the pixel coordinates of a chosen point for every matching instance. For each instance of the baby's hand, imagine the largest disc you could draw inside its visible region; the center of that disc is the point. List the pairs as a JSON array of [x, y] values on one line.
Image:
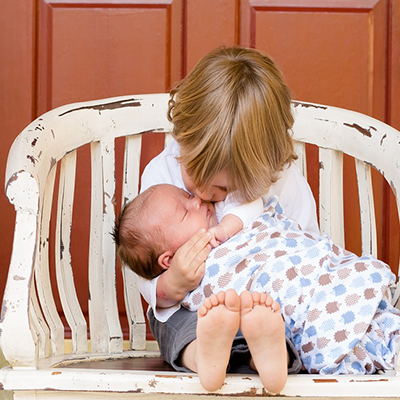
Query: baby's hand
[[219, 235]]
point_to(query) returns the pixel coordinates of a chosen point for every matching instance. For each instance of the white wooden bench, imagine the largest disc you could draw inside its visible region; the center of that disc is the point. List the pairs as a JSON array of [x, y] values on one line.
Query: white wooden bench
[[32, 333]]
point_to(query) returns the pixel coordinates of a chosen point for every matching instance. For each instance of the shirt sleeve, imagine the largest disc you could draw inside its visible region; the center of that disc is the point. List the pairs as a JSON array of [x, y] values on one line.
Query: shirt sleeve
[[148, 289], [296, 198], [247, 212]]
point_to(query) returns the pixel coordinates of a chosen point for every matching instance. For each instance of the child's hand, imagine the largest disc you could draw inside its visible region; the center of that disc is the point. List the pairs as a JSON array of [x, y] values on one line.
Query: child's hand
[[219, 235], [186, 270]]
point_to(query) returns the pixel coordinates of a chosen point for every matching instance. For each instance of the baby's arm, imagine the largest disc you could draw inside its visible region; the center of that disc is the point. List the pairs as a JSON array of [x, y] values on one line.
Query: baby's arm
[[234, 217], [229, 225]]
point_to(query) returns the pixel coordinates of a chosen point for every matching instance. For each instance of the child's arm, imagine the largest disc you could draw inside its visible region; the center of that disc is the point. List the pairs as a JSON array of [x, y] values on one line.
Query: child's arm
[[186, 270]]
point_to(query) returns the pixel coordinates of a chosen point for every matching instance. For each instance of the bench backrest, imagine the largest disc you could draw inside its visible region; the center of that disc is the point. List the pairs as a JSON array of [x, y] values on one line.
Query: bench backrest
[[49, 143]]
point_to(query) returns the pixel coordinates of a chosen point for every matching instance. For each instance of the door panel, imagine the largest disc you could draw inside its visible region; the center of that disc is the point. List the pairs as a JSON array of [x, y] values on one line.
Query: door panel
[[332, 54]]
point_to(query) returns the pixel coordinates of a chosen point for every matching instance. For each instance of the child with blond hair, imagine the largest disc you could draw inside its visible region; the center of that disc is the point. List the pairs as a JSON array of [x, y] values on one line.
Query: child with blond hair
[[231, 120]]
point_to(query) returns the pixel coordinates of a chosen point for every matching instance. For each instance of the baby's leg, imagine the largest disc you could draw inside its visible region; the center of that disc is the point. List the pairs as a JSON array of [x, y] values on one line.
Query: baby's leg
[[264, 330], [218, 321]]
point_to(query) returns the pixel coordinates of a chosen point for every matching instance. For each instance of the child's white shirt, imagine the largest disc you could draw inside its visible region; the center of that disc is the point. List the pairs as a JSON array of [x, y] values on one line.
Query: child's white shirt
[[293, 190]]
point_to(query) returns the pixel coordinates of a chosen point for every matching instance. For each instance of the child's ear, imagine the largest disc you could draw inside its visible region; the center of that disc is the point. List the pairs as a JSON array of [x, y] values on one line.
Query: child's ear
[[165, 259]]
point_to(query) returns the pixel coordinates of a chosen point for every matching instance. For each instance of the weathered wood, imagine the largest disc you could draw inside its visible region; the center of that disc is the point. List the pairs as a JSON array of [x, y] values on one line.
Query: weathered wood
[[32, 318], [65, 279], [133, 303]]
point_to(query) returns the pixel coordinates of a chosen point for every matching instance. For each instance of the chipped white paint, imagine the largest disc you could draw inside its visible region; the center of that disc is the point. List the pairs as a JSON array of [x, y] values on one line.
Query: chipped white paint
[[65, 278], [42, 273], [133, 303], [29, 185], [367, 209]]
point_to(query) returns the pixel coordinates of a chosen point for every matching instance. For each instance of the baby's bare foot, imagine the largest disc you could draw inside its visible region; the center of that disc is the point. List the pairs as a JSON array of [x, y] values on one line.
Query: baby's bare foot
[[264, 330], [218, 321]]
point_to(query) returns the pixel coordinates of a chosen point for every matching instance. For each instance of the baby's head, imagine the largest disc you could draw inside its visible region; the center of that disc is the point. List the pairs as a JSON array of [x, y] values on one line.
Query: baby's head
[[155, 224], [232, 113]]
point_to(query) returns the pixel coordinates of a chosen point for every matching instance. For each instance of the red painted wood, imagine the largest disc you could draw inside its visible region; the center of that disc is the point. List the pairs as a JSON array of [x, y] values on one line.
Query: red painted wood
[[331, 53], [339, 52]]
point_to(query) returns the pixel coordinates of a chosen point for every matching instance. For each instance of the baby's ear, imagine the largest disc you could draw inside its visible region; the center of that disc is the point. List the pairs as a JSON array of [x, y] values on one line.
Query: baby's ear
[[165, 259]]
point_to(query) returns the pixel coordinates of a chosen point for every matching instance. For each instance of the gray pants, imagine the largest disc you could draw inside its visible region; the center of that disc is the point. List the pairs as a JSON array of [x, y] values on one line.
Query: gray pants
[[180, 329]]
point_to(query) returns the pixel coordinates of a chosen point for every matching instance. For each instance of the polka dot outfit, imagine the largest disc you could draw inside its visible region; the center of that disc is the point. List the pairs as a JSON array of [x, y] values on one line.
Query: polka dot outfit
[[336, 305]]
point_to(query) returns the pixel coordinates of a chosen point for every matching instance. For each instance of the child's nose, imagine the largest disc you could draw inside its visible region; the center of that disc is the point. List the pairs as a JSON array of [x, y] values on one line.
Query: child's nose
[[205, 195], [195, 202]]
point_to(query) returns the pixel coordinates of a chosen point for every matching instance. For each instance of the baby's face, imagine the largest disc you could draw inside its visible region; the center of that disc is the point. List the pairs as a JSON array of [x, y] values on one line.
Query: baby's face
[[180, 215]]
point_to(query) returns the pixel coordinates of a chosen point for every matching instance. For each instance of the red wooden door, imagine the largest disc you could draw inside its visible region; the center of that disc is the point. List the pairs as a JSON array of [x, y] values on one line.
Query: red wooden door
[[344, 53]]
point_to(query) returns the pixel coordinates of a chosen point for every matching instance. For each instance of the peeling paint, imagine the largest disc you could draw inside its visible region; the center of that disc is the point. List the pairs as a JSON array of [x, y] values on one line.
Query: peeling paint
[[32, 159], [13, 177], [34, 141], [369, 380], [153, 383], [151, 131], [364, 131], [321, 165], [56, 373], [18, 278], [308, 105], [1, 386], [39, 128], [107, 106], [327, 380], [383, 138], [62, 248], [52, 132], [53, 162], [4, 309]]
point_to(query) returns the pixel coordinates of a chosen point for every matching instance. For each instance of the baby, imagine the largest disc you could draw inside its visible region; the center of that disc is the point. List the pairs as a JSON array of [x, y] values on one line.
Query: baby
[[149, 231], [336, 306]]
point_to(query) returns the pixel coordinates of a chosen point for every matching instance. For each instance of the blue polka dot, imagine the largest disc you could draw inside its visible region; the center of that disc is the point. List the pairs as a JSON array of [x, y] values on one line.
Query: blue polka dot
[[339, 290], [320, 296], [357, 366], [371, 348], [291, 242], [305, 282], [213, 270], [328, 325], [295, 260], [311, 331], [353, 343], [348, 317], [319, 358], [358, 282], [255, 250], [366, 310], [291, 292], [376, 277], [263, 279], [382, 305]]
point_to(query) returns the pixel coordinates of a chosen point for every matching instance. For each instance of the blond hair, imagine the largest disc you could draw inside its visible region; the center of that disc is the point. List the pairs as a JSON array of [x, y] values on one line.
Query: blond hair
[[139, 247], [233, 112]]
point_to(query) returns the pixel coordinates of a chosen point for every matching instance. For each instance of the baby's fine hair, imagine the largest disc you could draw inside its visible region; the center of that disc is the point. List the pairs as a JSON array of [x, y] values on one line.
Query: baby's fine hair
[[137, 246], [233, 112]]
